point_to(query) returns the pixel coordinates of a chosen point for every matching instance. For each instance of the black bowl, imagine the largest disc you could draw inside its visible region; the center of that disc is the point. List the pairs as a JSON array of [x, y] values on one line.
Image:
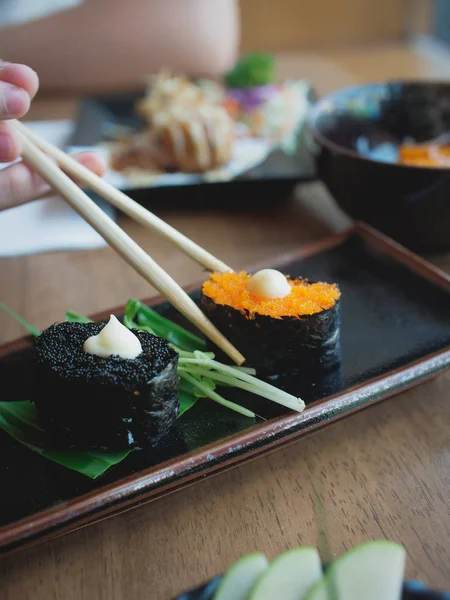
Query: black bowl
[[409, 203], [412, 590]]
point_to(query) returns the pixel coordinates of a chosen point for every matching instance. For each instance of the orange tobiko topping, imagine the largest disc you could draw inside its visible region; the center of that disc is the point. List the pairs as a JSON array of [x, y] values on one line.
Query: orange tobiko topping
[[230, 289]]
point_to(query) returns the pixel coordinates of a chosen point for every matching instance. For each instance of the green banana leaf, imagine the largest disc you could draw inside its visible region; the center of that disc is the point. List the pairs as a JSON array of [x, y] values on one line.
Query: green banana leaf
[[20, 421]]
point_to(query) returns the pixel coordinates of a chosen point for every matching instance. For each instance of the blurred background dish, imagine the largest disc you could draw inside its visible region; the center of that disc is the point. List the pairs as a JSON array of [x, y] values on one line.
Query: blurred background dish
[[369, 144], [184, 132]]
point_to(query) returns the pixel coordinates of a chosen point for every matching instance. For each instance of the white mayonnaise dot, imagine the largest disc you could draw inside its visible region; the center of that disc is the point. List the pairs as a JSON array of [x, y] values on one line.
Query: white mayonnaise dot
[[115, 339], [269, 284]]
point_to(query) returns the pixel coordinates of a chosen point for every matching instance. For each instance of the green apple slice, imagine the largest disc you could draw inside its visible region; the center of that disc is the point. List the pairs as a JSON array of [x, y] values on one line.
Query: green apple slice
[[241, 577], [373, 571], [290, 577]]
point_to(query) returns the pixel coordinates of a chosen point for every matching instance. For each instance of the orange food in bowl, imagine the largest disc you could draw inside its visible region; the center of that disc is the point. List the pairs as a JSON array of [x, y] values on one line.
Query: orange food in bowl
[[426, 155]]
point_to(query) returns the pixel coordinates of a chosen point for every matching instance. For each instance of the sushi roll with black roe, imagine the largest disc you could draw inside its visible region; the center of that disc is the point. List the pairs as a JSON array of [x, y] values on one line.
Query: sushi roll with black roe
[[103, 385], [281, 325]]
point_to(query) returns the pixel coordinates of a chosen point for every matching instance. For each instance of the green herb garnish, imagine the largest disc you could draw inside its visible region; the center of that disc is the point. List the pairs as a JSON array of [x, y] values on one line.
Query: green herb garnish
[[75, 317], [173, 333], [200, 369], [34, 332], [252, 70]]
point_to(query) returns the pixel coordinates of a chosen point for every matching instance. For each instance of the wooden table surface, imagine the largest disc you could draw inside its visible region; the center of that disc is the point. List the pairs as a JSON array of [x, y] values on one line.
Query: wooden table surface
[[383, 473]]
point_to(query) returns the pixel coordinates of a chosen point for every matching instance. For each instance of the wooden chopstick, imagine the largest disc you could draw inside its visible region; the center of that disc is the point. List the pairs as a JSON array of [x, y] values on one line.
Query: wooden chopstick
[[124, 203], [122, 243]]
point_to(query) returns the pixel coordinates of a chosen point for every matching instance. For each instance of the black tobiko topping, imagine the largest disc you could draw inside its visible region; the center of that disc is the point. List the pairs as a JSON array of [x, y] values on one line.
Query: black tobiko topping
[[60, 348]]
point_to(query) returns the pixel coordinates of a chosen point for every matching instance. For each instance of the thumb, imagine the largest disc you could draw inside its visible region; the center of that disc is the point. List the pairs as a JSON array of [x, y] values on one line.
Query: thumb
[[20, 184]]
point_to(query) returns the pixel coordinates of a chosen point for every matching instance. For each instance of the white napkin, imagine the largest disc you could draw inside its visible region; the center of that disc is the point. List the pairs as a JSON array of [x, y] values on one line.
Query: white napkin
[[17, 12], [50, 224]]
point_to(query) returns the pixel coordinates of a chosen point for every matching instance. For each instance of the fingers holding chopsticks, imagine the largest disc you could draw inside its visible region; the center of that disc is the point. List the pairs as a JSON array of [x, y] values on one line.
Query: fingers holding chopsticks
[[18, 184]]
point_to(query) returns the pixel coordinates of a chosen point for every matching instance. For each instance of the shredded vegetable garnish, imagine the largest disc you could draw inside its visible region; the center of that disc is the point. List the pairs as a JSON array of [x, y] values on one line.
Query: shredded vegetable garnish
[[200, 369]]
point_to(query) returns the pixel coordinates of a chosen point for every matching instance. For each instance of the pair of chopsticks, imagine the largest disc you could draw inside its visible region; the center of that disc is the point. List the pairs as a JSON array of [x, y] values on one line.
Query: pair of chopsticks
[[36, 153]]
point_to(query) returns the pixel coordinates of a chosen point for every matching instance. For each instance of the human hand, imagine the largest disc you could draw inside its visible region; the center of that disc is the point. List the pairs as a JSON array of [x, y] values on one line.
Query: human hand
[[18, 183]]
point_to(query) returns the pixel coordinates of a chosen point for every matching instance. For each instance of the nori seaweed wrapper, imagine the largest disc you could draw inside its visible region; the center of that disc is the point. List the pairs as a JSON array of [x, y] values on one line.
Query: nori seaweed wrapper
[[308, 344], [84, 400]]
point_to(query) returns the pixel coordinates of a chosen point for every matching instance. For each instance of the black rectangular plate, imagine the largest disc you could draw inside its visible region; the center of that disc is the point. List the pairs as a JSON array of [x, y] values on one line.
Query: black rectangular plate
[[395, 333], [277, 175]]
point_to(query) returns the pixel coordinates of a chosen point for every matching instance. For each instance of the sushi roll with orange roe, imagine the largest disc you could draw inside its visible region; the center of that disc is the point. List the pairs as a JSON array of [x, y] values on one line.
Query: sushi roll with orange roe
[[280, 324]]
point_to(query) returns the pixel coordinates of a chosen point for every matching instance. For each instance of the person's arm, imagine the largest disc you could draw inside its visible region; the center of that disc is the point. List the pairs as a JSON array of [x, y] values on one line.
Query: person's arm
[[113, 44], [18, 183]]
